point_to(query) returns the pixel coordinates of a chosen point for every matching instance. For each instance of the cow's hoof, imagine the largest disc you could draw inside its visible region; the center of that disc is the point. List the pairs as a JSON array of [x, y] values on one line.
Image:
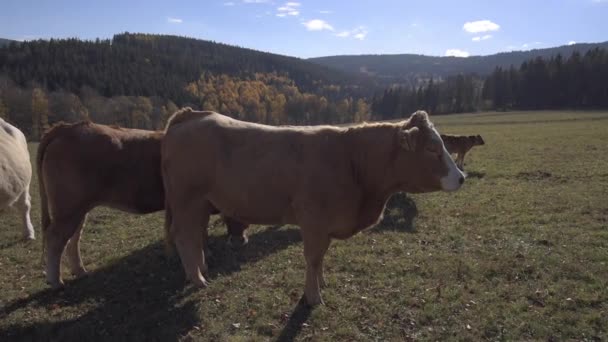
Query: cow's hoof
[[237, 242], [79, 273], [200, 282], [57, 286], [29, 237]]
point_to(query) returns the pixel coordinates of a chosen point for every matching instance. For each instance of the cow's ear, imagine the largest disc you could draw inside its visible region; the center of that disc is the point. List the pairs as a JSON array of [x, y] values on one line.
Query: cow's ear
[[408, 138]]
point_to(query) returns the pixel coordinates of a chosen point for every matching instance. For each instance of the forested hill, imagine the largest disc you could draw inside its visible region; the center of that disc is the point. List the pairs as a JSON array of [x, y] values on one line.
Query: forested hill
[[409, 68], [155, 65], [4, 42]]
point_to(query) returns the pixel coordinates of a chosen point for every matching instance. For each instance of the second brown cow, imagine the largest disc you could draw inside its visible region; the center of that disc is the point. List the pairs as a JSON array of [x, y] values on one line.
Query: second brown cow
[[84, 165]]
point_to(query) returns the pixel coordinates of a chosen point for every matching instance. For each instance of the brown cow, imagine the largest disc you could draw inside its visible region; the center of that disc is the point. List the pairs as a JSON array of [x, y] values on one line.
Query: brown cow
[[84, 165], [460, 145], [331, 181]]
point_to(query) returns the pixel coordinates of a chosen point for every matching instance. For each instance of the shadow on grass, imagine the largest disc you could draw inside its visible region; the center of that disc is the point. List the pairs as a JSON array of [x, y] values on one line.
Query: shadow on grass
[[226, 259], [17, 241], [399, 214], [139, 297], [143, 295], [475, 174], [136, 297], [298, 317]]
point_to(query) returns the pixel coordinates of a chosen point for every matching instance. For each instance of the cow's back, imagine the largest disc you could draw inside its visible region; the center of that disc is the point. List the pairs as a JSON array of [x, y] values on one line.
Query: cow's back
[[15, 165], [86, 164], [253, 172]]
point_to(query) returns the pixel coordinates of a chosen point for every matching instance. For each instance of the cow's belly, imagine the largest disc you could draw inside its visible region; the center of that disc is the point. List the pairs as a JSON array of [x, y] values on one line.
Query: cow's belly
[[254, 208]]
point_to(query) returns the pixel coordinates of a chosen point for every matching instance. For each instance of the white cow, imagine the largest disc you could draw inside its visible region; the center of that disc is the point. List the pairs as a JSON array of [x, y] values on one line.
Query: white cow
[[15, 174]]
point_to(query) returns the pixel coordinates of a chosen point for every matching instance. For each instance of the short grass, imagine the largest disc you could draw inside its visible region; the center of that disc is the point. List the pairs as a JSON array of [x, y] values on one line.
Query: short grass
[[519, 253]]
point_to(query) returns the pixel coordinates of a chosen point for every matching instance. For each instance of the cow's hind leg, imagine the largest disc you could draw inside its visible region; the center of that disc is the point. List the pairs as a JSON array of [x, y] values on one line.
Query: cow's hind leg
[[24, 206], [189, 240], [315, 246], [73, 250], [57, 235]]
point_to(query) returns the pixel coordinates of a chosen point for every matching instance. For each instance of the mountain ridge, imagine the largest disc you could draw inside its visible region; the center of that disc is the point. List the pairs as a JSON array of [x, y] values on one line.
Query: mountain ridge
[[408, 68]]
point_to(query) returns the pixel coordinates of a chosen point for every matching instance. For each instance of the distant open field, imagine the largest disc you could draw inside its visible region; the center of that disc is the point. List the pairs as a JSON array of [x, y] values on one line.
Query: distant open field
[[519, 253]]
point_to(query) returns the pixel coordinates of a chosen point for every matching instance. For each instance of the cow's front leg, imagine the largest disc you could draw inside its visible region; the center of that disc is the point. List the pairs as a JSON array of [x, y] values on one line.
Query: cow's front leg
[[460, 161], [315, 246], [320, 277]]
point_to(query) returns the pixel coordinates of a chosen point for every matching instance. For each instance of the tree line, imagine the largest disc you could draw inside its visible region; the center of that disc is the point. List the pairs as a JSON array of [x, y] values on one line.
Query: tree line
[[138, 80], [576, 82], [580, 81], [157, 65], [265, 98]]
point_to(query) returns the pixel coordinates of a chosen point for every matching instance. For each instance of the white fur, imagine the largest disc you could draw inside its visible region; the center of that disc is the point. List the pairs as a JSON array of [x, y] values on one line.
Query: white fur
[[453, 180], [15, 174]]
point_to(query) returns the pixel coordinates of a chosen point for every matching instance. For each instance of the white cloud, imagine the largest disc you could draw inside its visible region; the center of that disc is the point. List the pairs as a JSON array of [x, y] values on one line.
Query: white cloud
[[359, 33], [317, 25], [255, 1], [290, 8], [530, 45], [360, 36], [456, 53], [480, 26], [174, 20], [229, 3], [572, 42], [480, 38]]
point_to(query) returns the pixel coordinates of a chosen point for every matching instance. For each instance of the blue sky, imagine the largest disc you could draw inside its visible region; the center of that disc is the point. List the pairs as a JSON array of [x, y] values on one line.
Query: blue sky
[[311, 28]]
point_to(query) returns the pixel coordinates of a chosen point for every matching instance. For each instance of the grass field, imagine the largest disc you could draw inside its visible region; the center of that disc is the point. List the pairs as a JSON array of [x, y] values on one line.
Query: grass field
[[519, 253]]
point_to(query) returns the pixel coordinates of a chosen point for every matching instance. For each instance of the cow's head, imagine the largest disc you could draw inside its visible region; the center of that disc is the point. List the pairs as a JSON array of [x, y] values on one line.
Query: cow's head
[[479, 140], [423, 161]]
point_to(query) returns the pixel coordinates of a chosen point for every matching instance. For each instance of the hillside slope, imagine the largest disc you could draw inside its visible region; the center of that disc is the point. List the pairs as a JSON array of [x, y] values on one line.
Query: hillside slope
[[406, 68], [155, 65]]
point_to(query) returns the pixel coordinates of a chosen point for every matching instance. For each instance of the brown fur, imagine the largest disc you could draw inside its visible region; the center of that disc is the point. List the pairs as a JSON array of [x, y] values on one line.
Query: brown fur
[[460, 145], [331, 181], [84, 165]]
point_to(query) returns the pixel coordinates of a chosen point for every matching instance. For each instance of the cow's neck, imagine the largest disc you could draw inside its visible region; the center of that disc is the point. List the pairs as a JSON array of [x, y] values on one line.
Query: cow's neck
[[374, 149]]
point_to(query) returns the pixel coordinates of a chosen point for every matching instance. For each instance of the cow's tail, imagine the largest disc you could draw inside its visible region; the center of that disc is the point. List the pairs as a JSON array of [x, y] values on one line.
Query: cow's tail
[[185, 114], [168, 232], [168, 212], [45, 217]]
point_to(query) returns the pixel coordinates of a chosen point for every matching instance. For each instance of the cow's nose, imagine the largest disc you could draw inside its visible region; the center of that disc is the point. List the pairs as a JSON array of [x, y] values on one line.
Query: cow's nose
[[461, 180]]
